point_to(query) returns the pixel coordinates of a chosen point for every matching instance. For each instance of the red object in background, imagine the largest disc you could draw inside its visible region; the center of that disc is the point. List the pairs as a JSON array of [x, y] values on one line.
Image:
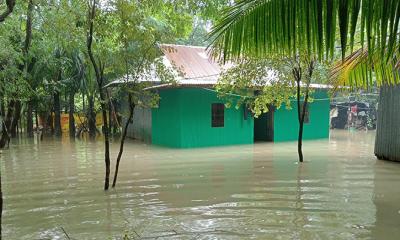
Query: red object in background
[[354, 109]]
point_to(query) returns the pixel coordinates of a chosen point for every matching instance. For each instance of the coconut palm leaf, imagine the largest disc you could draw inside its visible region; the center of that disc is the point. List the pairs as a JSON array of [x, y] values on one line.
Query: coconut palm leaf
[[263, 27], [355, 70]]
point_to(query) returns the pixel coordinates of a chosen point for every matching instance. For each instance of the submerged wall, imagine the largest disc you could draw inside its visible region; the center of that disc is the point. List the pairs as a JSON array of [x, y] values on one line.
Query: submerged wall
[[286, 124], [183, 120], [140, 127], [141, 124]]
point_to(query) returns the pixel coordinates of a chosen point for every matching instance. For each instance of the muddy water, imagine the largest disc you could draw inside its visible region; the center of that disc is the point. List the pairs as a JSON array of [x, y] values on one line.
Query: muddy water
[[54, 188]]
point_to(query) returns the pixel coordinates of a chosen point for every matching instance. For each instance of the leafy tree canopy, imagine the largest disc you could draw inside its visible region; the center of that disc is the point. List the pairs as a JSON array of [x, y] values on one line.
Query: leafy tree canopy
[[264, 83]]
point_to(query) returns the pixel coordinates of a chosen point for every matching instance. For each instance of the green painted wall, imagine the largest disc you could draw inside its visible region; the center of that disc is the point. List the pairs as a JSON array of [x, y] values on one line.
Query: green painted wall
[[166, 119], [183, 120], [286, 125]]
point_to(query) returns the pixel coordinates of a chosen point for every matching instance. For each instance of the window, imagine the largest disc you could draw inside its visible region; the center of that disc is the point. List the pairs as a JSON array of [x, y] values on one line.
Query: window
[[217, 115], [306, 114]]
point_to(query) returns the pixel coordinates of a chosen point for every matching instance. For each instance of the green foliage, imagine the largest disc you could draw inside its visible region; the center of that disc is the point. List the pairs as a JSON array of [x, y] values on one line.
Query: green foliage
[[139, 28], [261, 84], [126, 41], [355, 70], [198, 36], [259, 27], [205, 9], [12, 84], [6, 9], [286, 27]]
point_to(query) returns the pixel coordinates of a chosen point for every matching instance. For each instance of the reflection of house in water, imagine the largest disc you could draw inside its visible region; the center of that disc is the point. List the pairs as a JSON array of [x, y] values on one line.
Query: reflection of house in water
[[205, 176], [190, 114]]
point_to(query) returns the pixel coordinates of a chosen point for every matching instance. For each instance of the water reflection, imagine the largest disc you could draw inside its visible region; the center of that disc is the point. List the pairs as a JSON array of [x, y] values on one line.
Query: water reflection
[[238, 192]]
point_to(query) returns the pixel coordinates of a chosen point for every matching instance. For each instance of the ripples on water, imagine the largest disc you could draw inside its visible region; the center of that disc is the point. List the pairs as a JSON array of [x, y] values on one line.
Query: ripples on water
[[238, 192]]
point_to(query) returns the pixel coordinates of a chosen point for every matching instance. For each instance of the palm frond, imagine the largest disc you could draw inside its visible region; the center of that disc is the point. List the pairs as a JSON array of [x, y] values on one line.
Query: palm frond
[[364, 69], [264, 27]]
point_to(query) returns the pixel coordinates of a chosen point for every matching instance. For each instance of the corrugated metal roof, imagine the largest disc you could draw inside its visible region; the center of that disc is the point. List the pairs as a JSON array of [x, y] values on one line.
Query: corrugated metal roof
[[193, 66], [192, 62]]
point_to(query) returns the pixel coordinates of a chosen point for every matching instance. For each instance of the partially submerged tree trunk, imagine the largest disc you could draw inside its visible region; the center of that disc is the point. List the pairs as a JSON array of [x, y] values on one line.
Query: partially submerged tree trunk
[[37, 119], [387, 140], [302, 107], [300, 118], [106, 138], [50, 122], [5, 137], [57, 114], [27, 43], [20, 126], [301, 112], [297, 74], [110, 118], [2, 108], [99, 70], [91, 117], [17, 115], [29, 119], [71, 114], [10, 7], [123, 137]]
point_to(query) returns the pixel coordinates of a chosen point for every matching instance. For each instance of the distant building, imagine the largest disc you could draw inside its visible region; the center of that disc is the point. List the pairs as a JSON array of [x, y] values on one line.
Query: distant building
[[190, 114]]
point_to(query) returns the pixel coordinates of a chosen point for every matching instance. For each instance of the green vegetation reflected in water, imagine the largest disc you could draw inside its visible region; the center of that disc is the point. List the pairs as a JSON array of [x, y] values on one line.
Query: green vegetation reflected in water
[[239, 192]]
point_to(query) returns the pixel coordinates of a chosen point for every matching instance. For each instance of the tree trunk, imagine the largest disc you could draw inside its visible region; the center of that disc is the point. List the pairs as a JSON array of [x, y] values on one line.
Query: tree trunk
[[29, 119], [5, 137], [17, 115], [387, 140], [91, 117], [125, 131], [301, 108], [99, 70], [71, 114], [37, 119], [301, 124], [25, 50], [110, 123], [10, 7], [50, 122], [20, 126], [2, 108], [57, 114], [106, 139]]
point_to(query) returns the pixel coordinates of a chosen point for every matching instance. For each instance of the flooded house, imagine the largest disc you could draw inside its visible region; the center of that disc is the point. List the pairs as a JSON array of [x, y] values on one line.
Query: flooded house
[[190, 114]]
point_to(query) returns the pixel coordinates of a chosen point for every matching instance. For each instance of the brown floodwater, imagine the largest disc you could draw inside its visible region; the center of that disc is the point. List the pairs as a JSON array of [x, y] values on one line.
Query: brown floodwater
[[54, 188]]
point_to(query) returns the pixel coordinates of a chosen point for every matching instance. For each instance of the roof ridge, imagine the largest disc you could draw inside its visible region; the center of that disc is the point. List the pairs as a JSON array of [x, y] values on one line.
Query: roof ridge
[[181, 45]]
